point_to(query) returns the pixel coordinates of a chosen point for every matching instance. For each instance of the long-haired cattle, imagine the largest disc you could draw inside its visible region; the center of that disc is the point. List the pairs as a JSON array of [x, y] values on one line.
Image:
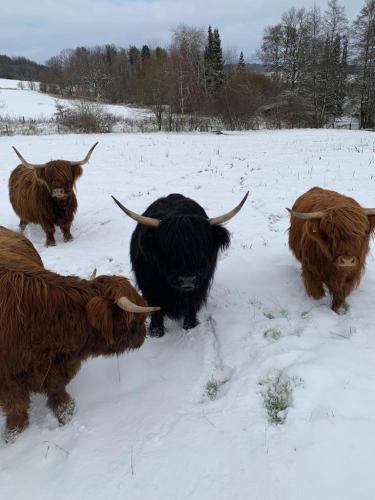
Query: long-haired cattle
[[44, 194], [174, 250], [329, 234], [49, 324]]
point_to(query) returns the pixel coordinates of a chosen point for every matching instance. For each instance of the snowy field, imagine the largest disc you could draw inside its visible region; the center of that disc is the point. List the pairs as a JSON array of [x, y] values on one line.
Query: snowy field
[[18, 103], [184, 417]]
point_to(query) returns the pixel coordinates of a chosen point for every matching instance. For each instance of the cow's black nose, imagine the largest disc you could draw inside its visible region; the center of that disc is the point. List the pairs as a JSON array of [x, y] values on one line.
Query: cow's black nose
[[187, 282]]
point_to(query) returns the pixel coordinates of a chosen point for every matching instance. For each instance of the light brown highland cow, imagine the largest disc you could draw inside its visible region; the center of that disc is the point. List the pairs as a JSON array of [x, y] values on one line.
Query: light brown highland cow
[[44, 194], [49, 324], [329, 234]]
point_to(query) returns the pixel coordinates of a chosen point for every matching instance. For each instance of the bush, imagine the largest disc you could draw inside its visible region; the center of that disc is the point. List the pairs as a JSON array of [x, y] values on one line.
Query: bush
[[242, 97], [85, 117], [289, 112]]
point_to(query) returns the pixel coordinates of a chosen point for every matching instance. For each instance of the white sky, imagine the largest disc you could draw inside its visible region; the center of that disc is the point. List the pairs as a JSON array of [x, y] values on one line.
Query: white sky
[[39, 29]]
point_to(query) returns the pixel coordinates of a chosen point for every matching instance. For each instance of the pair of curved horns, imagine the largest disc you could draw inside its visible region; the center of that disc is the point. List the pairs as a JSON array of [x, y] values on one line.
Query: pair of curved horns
[[127, 305], [150, 221], [42, 165], [319, 215]]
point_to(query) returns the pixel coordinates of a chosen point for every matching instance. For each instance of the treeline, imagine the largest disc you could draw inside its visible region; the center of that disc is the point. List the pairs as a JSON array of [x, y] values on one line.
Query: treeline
[[19, 68], [182, 84], [325, 66], [318, 67]]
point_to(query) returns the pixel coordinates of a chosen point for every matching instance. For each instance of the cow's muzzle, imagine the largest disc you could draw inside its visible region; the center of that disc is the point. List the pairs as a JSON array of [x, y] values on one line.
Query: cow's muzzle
[[59, 193], [344, 262], [187, 283]]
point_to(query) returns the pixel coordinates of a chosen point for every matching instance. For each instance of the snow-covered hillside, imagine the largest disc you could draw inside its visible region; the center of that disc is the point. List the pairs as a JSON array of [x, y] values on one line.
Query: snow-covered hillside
[[184, 417], [18, 102]]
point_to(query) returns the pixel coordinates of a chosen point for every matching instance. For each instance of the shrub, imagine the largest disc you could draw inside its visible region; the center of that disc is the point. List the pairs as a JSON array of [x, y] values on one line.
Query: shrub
[[85, 117], [277, 392]]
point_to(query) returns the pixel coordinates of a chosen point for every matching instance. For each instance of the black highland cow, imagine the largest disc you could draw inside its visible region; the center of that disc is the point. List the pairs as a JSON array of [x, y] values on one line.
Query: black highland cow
[[174, 251]]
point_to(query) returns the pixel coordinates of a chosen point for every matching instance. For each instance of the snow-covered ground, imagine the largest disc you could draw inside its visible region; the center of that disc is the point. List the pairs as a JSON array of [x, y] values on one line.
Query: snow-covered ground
[[183, 417], [18, 103]]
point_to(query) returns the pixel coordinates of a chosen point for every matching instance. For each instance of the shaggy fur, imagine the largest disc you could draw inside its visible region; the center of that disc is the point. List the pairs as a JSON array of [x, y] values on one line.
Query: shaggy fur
[[184, 245], [30, 193], [49, 324], [343, 231]]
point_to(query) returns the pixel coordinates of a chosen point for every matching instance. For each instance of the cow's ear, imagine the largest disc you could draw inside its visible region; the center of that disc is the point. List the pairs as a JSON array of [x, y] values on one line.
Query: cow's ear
[[77, 172], [149, 241], [221, 236], [99, 313], [371, 219]]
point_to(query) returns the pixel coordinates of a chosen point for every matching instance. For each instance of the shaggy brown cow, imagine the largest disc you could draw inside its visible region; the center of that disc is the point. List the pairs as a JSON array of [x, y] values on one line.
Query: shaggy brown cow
[[49, 324], [329, 234], [44, 194]]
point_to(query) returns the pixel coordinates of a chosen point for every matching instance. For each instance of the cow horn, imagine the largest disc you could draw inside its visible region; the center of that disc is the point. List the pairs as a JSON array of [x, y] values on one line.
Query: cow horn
[[26, 163], [307, 215], [369, 211], [127, 305], [226, 217], [93, 274], [86, 158], [146, 221]]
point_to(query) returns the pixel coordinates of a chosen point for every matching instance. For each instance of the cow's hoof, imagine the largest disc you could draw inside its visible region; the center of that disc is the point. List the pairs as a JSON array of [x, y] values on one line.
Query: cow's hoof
[[68, 237], [12, 433], [51, 243], [190, 323], [156, 331], [64, 412], [343, 309]]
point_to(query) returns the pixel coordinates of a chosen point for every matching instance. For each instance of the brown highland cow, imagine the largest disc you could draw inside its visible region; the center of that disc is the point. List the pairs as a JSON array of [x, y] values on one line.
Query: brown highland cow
[[329, 234], [49, 324], [44, 194]]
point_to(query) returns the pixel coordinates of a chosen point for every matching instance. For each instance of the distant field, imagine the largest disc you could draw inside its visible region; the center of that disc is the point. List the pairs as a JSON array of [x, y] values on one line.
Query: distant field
[[17, 103]]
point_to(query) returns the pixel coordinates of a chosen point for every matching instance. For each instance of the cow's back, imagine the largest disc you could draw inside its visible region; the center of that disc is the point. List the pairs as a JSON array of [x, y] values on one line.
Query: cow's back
[[16, 248]]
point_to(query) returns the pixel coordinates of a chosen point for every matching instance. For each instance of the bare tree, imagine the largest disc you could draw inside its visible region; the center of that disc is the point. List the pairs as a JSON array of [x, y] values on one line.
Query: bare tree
[[364, 44]]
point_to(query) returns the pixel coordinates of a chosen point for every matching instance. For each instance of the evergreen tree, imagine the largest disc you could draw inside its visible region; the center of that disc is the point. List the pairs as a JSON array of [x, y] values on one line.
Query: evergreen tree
[[208, 62], [241, 62], [134, 55], [145, 53], [213, 62], [217, 61]]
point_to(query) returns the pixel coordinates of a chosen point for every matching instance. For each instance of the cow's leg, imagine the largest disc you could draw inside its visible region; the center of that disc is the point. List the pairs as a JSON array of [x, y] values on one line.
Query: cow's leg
[[22, 225], [339, 304], [65, 229], [49, 229], [340, 292], [190, 321], [61, 403], [15, 408], [190, 316], [313, 284], [157, 324]]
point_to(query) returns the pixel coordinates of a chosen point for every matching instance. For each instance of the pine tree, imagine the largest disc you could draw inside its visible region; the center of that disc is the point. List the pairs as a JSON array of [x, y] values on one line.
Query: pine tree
[[213, 62], [208, 61], [241, 63], [217, 61], [145, 53], [134, 55]]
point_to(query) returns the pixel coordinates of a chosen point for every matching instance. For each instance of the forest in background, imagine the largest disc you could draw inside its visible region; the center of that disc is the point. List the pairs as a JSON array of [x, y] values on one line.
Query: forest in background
[[316, 67]]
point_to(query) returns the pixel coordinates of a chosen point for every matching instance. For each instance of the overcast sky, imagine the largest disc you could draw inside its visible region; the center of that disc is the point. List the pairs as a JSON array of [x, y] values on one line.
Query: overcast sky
[[39, 29]]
